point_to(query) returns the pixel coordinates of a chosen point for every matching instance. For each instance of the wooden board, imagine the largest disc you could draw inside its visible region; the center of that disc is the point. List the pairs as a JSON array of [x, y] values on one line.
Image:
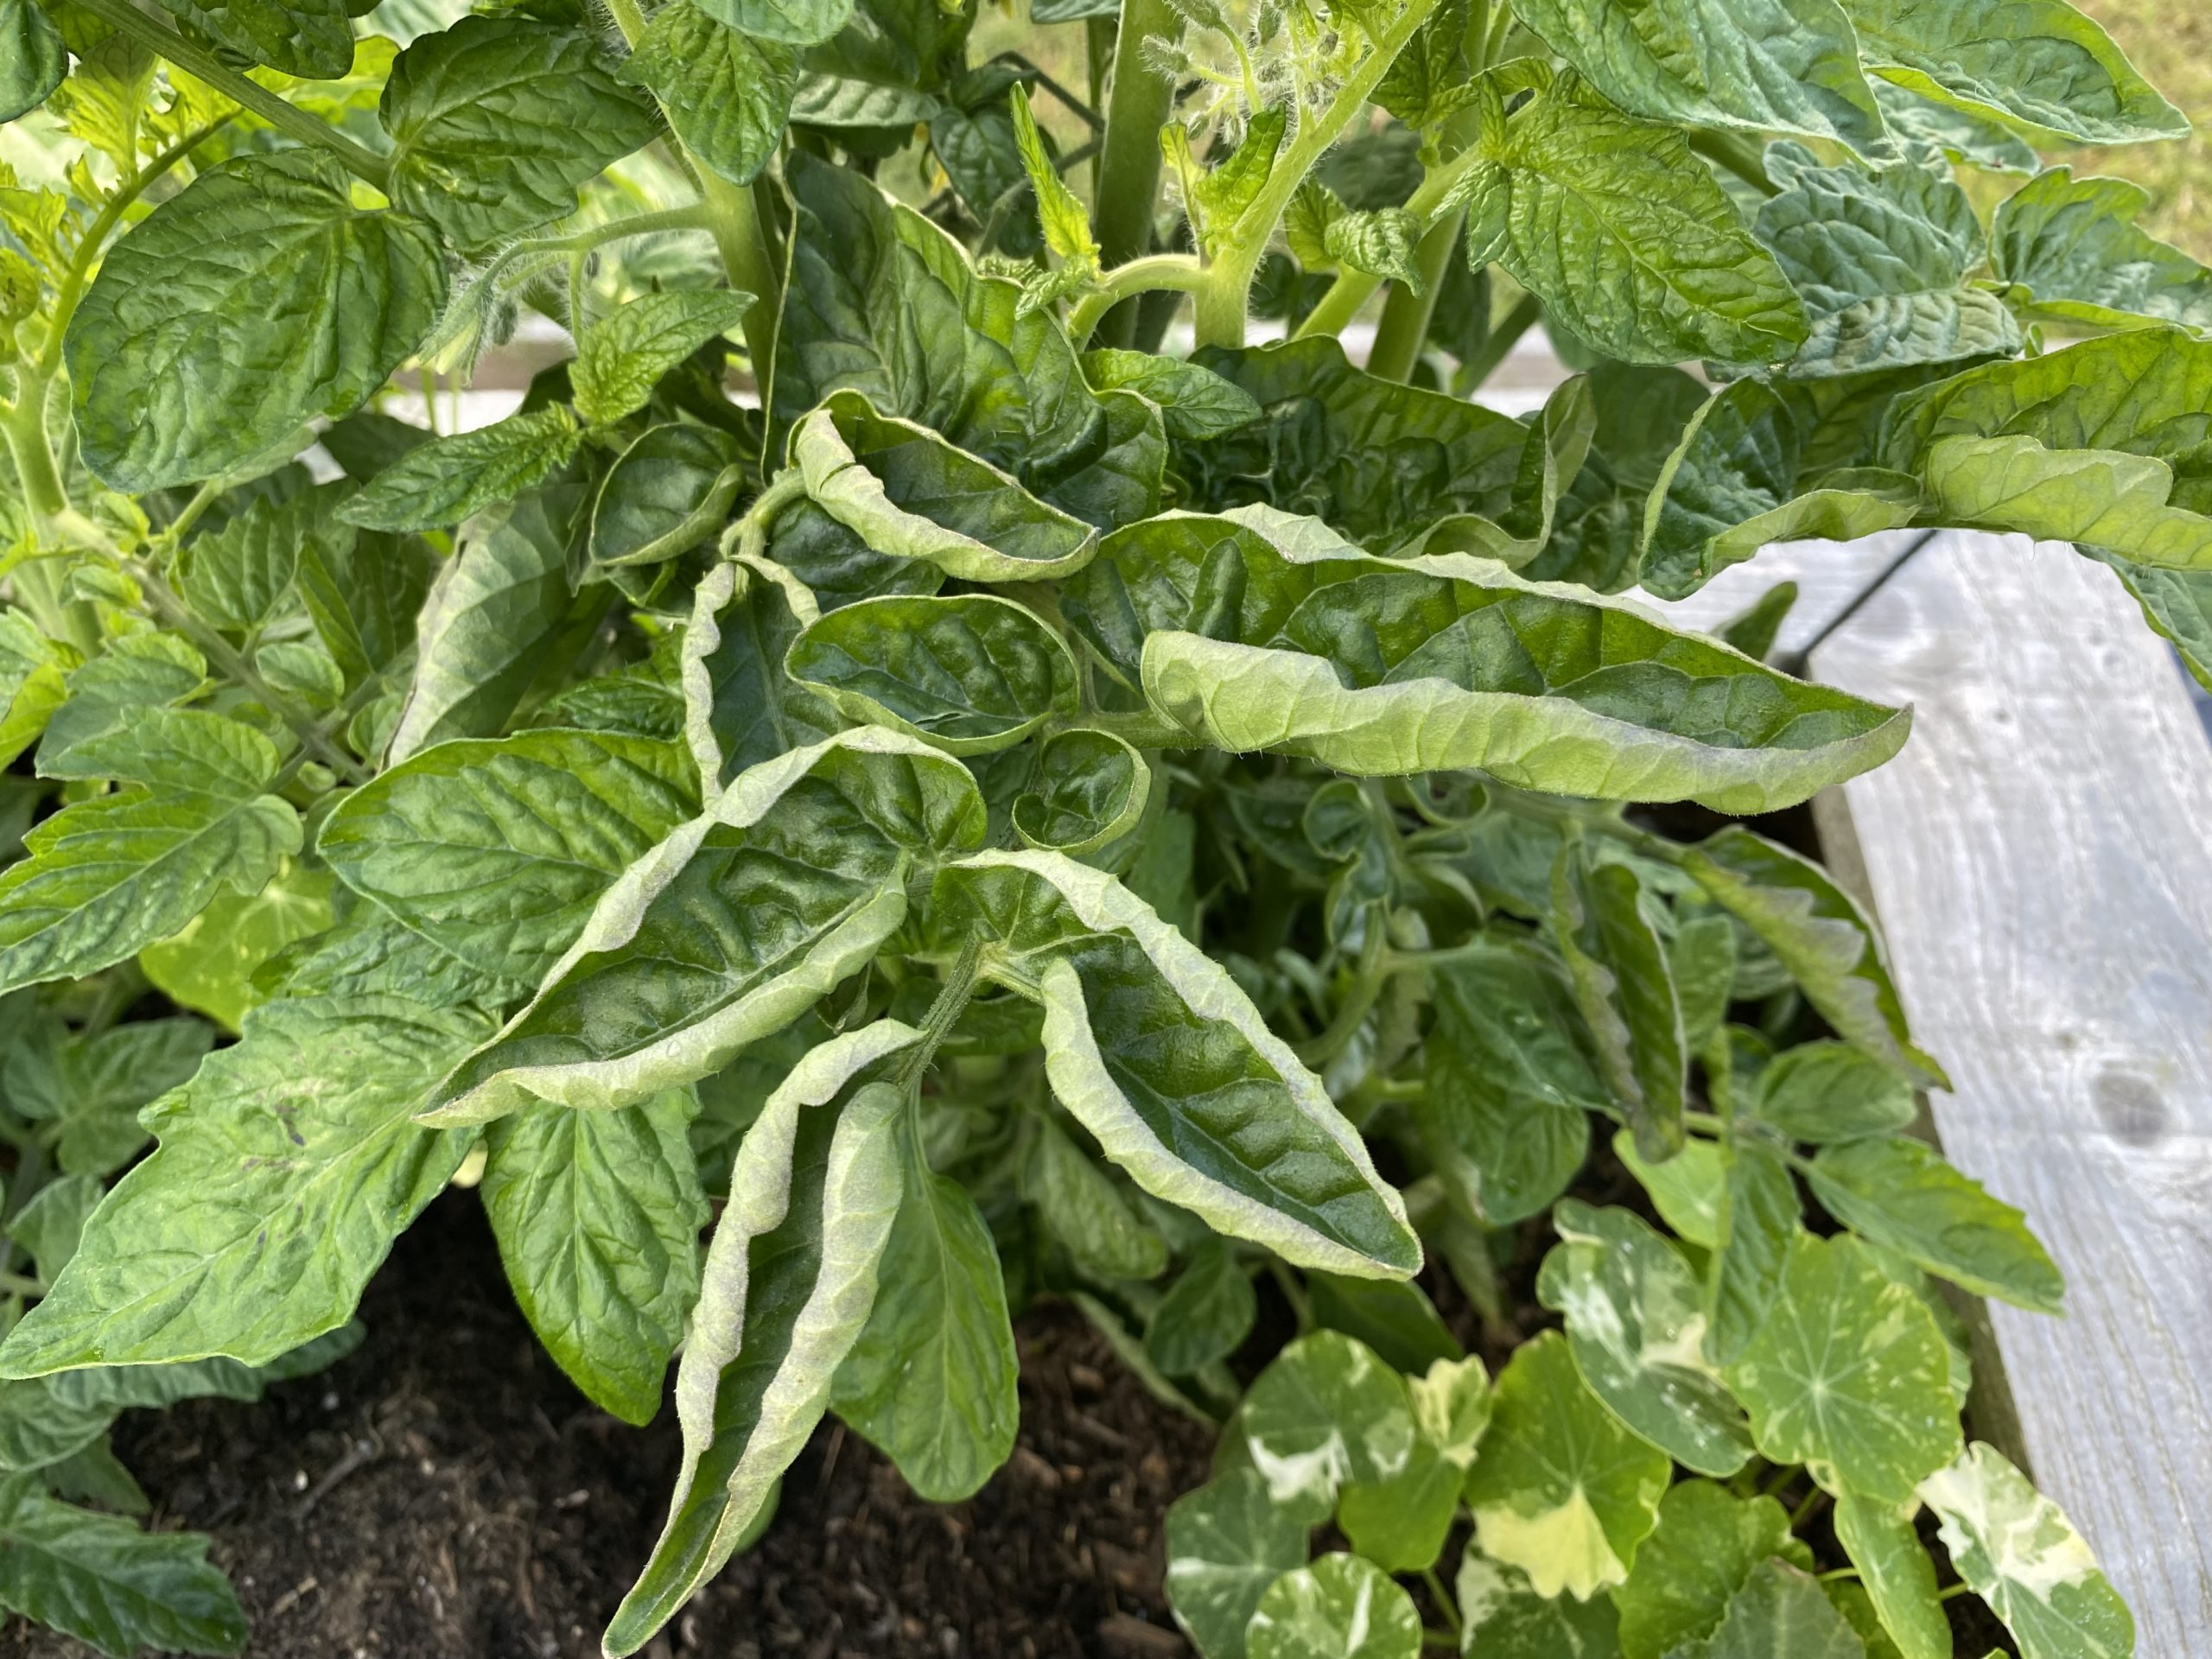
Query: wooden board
[[2040, 855]]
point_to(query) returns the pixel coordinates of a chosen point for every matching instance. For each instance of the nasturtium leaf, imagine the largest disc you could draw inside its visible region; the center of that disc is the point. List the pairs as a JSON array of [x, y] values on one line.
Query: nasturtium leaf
[[255, 299], [931, 1380], [1686, 1189], [1756, 1221], [598, 1217], [1625, 235], [488, 620], [1341, 1607], [1560, 1490], [1771, 66], [797, 23], [1325, 1412], [1227, 1542], [1503, 1619], [32, 58], [102, 1580], [1820, 934], [1707, 1545], [2020, 1554], [2073, 246], [1899, 1578], [1090, 790], [497, 122], [1850, 1599], [620, 358], [730, 928], [1880, 260], [1637, 1330], [498, 849], [907, 491], [111, 875], [1452, 1403], [1154, 1049], [669, 491], [2038, 66], [286, 1168], [971, 673], [438, 483], [1205, 1315], [789, 1280], [1899, 1192], [1399, 1524], [1782, 1612], [1847, 1372], [1617, 965], [726, 90], [1194, 402], [1080, 1204], [86, 1091], [1825, 1091], [1512, 1078], [741, 708]]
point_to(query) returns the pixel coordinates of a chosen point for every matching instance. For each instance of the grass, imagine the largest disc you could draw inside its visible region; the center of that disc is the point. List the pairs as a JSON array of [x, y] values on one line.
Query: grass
[[2170, 41]]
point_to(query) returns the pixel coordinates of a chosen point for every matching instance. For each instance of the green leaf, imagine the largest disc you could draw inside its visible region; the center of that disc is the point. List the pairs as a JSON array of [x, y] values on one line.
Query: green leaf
[[1772, 65], [620, 358], [1927, 132], [1560, 1490], [1781, 1613], [286, 1168], [598, 1217], [1382, 667], [1899, 1192], [906, 491], [86, 1091], [2177, 604], [1686, 1189], [1753, 1231], [308, 38], [1065, 223], [1598, 522], [1195, 402], [1825, 1091], [32, 58], [1625, 236], [1452, 1407], [1701, 961], [931, 1382], [666, 493], [972, 673], [1399, 1524], [1327, 1413], [1231, 185], [497, 122], [2119, 501], [1847, 1372], [1880, 260], [741, 708], [2022, 1557], [1637, 1330], [234, 576], [491, 618], [1081, 1206], [1220, 1118], [1707, 1545], [1227, 1543], [439, 483], [1820, 936], [2038, 66], [789, 1280], [726, 88], [799, 22], [1617, 966], [1503, 1618], [1205, 1315], [31, 682], [729, 928], [363, 596], [99, 1579], [111, 875], [1899, 1578], [1382, 241], [1511, 1080], [1341, 1607], [255, 299], [2074, 246], [1090, 790], [51, 1223]]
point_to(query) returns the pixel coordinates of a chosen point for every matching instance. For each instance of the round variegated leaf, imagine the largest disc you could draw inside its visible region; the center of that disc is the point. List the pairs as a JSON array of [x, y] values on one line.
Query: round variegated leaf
[[1341, 1607], [1325, 1412]]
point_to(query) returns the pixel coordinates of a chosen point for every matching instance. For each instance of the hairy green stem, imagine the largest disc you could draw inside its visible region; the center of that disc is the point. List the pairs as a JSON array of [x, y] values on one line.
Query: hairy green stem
[[198, 61], [1352, 289], [951, 999], [1127, 193], [1159, 270]]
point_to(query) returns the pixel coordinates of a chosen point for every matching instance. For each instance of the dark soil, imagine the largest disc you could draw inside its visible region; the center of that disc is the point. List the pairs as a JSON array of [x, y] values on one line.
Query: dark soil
[[445, 1493]]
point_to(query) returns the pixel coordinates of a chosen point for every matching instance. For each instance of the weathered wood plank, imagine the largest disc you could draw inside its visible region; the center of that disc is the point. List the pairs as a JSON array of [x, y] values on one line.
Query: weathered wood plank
[[2041, 856]]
